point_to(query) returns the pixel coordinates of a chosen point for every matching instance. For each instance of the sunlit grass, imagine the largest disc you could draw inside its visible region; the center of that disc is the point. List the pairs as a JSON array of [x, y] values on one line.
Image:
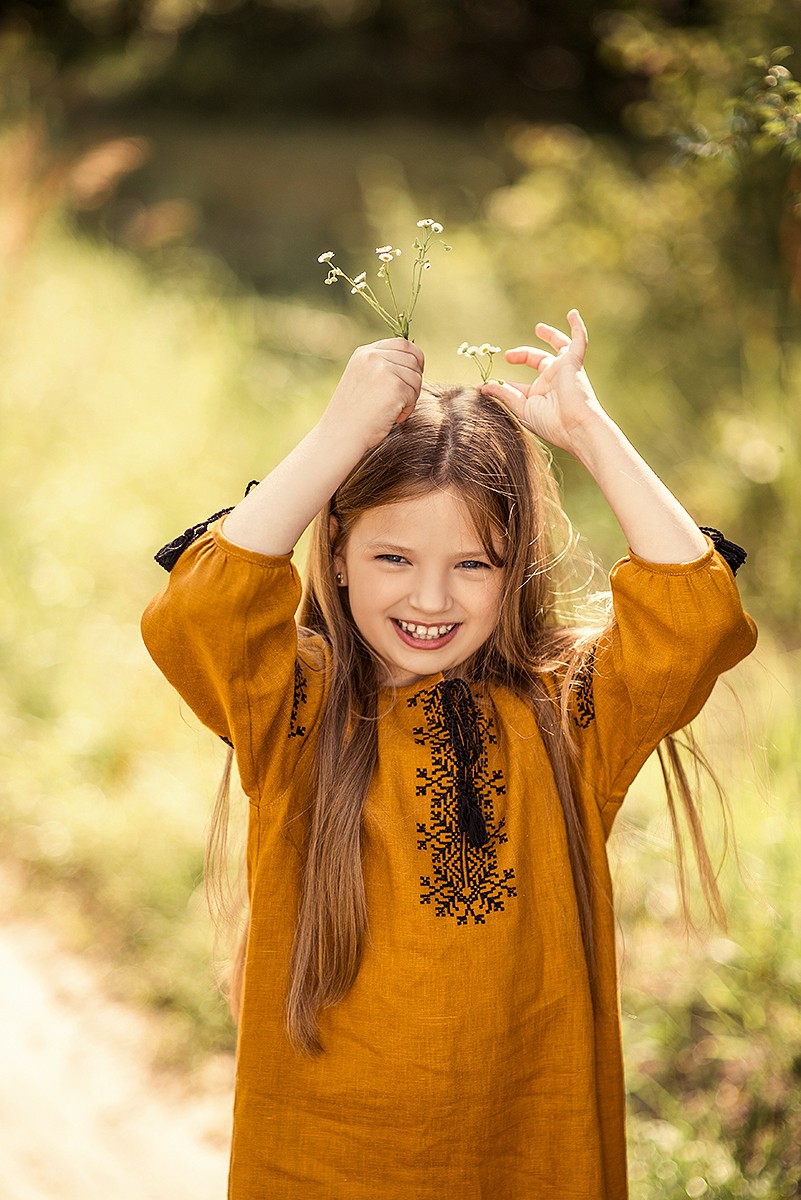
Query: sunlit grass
[[712, 1021]]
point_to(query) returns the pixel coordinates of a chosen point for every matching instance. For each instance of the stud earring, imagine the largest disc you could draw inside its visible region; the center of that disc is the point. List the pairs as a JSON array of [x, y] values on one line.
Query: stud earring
[[339, 579]]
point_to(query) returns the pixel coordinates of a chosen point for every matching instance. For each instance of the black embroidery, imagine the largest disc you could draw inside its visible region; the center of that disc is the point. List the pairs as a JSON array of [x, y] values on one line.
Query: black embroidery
[[461, 720], [466, 881], [168, 555], [584, 701], [733, 554], [299, 696]]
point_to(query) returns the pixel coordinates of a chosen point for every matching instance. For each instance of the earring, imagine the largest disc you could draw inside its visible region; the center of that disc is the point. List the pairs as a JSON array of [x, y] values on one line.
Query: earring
[[339, 579]]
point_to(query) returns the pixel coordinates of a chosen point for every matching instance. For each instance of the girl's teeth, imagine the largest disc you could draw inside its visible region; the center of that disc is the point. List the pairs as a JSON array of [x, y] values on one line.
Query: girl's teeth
[[426, 633]]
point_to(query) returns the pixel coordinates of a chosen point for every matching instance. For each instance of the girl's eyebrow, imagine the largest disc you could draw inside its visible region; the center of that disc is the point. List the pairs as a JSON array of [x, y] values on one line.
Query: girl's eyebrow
[[392, 548], [376, 542]]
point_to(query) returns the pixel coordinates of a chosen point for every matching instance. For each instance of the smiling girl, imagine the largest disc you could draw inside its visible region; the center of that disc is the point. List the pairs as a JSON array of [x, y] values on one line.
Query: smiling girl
[[434, 762]]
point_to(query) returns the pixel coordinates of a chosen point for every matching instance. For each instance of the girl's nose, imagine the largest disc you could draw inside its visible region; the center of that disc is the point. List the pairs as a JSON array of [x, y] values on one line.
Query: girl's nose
[[431, 595]]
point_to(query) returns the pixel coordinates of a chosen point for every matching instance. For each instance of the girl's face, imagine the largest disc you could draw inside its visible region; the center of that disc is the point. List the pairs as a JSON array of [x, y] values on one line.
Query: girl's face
[[422, 591]]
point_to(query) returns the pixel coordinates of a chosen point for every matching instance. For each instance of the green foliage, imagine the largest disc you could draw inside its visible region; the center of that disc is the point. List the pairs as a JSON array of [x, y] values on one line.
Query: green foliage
[[129, 410], [712, 1021]]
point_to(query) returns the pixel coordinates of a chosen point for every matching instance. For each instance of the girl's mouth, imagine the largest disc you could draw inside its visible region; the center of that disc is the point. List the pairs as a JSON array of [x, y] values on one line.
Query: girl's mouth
[[424, 637]]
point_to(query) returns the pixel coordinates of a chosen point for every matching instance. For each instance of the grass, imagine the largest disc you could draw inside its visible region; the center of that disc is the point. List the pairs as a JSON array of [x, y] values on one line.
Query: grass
[[134, 404], [712, 1021]]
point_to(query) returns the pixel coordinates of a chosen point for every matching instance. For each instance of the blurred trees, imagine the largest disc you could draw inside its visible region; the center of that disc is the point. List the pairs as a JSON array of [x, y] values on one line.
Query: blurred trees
[[640, 157], [460, 59]]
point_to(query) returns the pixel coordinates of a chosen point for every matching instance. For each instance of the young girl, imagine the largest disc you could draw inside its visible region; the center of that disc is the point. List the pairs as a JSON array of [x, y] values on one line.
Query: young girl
[[433, 763]]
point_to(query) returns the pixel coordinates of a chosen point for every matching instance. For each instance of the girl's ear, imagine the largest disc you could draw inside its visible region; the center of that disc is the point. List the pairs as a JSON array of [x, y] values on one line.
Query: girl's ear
[[334, 529]]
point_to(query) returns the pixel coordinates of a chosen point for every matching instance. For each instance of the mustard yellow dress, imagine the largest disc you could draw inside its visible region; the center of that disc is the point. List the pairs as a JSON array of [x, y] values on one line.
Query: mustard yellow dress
[[467, 1062]]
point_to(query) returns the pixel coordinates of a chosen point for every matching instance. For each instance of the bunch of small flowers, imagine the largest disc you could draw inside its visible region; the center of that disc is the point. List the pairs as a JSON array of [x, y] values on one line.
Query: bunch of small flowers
[[485, 350], [398, 319]]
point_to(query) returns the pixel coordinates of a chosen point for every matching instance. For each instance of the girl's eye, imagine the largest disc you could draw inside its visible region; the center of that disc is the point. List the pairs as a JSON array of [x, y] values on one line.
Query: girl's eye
[[390, 558], [475, 564]]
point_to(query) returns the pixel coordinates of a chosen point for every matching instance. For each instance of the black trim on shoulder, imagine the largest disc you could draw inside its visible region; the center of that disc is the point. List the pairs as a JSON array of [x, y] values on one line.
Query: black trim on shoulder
[[168, 555], [733, 554]]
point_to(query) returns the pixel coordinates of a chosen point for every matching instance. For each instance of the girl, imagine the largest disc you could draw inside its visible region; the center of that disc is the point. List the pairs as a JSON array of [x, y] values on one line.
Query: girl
[[433, 764]]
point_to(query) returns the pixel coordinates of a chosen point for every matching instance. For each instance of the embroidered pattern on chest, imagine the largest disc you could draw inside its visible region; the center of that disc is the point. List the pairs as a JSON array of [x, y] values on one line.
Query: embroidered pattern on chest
[[299, 696], [466, 882]]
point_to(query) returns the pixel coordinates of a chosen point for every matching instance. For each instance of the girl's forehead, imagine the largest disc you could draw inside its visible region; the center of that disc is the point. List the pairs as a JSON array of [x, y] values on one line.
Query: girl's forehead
[[436, 517], [437, 504]]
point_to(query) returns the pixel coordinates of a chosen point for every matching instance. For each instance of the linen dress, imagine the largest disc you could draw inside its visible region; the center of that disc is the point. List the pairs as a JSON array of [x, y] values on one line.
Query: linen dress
[[468, 1062]]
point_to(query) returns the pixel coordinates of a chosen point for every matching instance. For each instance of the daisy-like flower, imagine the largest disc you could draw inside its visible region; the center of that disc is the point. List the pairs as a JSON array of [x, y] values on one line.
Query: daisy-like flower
[[485, 350], [394, 314]]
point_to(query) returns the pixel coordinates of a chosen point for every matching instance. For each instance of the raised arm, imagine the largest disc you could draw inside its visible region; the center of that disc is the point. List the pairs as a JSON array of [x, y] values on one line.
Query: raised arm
[[378, 389], [562, 408]]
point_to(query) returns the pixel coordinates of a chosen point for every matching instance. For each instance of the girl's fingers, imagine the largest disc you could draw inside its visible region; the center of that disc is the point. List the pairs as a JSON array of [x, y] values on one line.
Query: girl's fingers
[[530, 356], [409, 376], [578, 331], [513, 395], [554, 337], [559, 340], [399, 344]]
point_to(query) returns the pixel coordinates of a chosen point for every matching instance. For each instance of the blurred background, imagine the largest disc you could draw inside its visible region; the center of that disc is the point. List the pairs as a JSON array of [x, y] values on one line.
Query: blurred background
[[170, 171]]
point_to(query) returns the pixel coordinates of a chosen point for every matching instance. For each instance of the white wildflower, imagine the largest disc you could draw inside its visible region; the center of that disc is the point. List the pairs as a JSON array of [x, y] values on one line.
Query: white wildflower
[[463, 348], [486, 348], [398, 320]]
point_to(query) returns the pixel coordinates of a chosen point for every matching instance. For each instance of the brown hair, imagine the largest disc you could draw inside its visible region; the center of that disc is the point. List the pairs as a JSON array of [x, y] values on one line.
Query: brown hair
[[459, 439]]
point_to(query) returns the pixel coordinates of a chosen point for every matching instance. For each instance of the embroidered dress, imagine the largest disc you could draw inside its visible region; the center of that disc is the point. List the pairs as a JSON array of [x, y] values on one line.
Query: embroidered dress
[[468, 1061]]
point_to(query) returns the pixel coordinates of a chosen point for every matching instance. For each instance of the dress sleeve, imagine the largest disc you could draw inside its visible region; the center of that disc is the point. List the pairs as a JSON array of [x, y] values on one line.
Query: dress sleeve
[[223, 633], [676, 628]]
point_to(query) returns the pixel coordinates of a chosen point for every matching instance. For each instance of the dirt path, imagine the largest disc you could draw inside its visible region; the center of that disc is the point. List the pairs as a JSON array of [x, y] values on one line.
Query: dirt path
[[83, 1115]]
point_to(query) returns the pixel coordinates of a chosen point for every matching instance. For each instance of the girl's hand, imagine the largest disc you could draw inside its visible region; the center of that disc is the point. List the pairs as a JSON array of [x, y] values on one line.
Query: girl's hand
[[379, 388], [560, 402]]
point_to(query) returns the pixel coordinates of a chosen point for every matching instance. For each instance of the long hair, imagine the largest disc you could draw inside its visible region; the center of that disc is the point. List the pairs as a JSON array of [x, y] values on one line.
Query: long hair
[[458, 439]]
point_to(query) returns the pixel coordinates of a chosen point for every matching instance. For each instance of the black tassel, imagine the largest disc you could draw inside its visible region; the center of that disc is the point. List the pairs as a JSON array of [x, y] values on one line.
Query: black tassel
[[733, 554], [461, 720], [168, 555]]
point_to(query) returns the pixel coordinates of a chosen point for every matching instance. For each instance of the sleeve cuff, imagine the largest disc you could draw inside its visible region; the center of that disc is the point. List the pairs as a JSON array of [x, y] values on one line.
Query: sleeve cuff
[[732, 554]]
